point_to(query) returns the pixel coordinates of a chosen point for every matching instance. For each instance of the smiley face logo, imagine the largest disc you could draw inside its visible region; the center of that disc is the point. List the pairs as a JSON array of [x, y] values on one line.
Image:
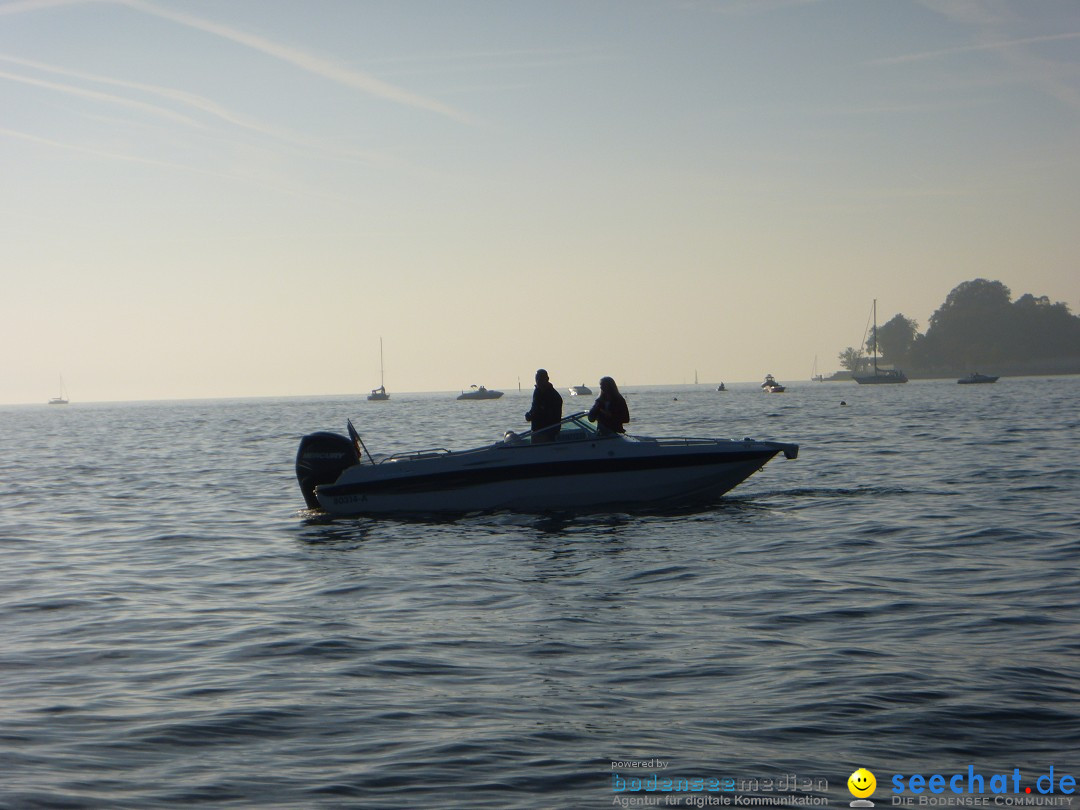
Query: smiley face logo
[[862, 783]]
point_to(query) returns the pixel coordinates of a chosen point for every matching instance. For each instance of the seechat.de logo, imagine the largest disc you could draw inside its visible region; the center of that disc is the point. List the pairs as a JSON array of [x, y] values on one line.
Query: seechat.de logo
[[862, 785]]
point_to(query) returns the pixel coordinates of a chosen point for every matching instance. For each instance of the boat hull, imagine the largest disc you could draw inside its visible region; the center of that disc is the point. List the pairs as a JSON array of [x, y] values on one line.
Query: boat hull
[[597, 475], [881, 379], [480, 395]]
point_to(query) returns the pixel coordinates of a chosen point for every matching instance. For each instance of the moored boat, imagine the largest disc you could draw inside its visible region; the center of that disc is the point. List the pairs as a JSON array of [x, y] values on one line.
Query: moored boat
[[379, 394], [61, 399], [977, 379], [879, 376], [577, 468]]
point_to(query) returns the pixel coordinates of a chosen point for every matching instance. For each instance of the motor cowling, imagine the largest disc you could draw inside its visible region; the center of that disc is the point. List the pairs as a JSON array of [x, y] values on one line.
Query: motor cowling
[[322, 457]]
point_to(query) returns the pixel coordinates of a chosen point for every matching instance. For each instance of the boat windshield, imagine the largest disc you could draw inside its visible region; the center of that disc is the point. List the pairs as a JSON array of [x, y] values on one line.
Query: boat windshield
[[573, 428]]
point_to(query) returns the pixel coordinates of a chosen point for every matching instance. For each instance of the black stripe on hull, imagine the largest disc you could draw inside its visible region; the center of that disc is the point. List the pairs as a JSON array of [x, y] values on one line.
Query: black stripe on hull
[[456, 479]]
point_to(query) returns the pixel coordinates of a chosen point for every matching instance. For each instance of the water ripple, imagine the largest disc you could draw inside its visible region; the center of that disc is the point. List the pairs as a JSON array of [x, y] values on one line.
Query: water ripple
[[180, 632]]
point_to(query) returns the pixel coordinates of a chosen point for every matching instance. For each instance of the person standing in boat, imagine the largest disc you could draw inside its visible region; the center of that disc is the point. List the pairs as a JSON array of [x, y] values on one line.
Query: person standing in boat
[[610, 410], [546, 408]]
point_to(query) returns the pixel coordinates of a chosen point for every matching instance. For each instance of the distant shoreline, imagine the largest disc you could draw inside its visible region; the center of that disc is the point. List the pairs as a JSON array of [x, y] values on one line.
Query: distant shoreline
[[1053, 368]]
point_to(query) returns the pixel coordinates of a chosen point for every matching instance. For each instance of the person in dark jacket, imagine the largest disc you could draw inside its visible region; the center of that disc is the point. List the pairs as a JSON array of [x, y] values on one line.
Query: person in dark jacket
[[610, 411], [546, 408]]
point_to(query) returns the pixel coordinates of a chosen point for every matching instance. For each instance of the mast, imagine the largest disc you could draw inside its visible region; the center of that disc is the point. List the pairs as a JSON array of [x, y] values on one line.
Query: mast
[[382, 382], [875, 337]]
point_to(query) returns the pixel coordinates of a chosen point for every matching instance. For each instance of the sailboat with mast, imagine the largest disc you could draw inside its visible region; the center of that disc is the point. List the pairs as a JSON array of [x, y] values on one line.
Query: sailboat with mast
[[379, 394], [880, 376], [62, 398]]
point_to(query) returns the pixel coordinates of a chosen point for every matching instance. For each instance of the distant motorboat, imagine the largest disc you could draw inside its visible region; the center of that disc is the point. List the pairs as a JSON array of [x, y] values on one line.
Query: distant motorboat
[[721, 387], [580, 390], [771, 386], [977, 379], [479, 392], [379, 394], [881, 376]]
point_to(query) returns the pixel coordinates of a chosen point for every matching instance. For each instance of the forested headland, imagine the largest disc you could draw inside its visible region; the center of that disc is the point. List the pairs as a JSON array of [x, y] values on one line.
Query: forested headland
[[978, 328]]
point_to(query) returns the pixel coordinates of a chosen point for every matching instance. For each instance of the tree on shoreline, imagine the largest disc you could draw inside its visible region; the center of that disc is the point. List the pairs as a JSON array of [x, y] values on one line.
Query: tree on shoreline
[[852, 359], [896, 340], [980, 327]]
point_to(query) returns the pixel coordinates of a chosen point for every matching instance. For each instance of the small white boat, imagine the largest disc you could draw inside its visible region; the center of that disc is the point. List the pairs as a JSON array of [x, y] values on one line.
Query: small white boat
[[579, 469], [479, 392], [580, 390]]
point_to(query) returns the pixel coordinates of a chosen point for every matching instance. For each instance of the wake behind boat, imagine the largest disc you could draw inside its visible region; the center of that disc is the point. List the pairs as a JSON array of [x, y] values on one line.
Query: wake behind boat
[[576, 468]]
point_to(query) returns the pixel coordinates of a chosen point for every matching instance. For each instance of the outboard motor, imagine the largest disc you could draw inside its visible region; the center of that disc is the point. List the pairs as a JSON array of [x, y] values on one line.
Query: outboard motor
[[322, 457]]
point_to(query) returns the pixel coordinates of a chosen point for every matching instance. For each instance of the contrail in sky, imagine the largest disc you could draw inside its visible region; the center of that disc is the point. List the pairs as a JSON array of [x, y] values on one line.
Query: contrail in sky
[[191, 100], [93, 94], [301, 59], [983, 46]]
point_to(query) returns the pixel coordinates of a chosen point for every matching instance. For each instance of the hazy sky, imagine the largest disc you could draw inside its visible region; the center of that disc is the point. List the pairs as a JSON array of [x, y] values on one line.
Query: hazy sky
[[239, 197]]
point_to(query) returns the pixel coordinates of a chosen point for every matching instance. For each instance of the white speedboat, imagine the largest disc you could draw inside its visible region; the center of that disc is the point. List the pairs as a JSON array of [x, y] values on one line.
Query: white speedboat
[[580, 390], [577, 468], [479, 392]]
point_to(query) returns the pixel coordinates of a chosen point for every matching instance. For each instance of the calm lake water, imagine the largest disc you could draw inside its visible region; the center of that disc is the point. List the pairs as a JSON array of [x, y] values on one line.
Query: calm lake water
[[176, 631]]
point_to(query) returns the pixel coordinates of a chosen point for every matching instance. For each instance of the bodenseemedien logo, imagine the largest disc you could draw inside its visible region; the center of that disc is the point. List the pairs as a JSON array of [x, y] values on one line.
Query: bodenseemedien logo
[[862, 785]]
